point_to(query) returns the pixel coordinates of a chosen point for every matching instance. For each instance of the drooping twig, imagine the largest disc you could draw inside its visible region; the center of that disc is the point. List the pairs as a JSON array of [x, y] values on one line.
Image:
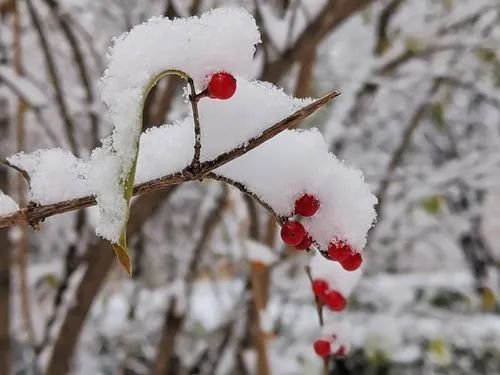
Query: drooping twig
[[244, 189], [193, 99], [319, 310], [18, 169], [34, 214]]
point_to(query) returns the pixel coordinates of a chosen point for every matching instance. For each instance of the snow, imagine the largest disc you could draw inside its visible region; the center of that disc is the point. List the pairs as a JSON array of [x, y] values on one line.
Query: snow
[[7, 204], [165, 150], [258, 252], [219, 40], [339, 333], [55, 175], [226, 124], [332, 272], [290, 164]]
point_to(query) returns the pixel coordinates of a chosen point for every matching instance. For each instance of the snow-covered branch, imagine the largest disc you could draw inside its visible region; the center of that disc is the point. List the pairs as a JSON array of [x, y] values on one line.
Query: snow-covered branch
[[34, 214]]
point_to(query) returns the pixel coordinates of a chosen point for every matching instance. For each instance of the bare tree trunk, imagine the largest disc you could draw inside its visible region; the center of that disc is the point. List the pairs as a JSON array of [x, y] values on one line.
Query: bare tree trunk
[[5, 250], [304, 79], [100, 258], [21, 257], [174, 320], [4, 303], [171, 327]]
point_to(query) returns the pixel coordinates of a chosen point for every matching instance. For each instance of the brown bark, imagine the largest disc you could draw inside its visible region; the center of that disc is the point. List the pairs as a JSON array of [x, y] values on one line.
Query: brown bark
[[173, 319], [304, 79], [4, 303], [171, 327], [5, 263]]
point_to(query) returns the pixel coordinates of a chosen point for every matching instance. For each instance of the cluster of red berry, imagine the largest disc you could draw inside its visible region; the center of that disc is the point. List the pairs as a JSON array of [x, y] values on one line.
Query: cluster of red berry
[[323, 347], [222, 86], [294, 234], [329, 297], [342, 252]]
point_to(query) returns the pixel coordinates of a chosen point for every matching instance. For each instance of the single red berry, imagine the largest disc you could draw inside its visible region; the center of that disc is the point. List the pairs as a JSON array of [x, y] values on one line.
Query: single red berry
[[339, 250], [322, 347], [319, 287], [305, 243], [352, 262], [222, 85], [334, 300], [292, 233], [341, 352], [306, 205]]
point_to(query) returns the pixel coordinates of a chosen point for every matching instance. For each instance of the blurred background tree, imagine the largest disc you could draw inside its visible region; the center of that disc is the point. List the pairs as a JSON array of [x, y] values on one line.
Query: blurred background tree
[[419, 114]]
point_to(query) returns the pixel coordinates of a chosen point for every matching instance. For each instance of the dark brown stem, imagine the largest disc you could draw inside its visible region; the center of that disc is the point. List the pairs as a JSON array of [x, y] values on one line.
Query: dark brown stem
[[18, 169], [193, 98], [244, 189], [319, 310]]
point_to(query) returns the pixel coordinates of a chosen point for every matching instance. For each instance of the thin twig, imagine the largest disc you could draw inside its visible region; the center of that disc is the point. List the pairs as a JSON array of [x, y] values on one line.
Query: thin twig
[[280, 219], [193, 98], [79, 59], [319, 310], [33, 214], [18, 169], [56, 83]]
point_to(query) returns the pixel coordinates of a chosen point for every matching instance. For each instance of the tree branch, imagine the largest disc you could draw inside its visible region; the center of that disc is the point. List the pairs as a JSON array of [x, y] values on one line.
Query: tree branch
[[33, 214], [332, 15], [52, 71]]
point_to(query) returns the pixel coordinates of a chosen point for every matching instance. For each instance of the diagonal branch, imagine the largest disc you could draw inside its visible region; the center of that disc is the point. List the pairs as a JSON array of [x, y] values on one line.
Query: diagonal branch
[[52, 71], [33, 214], [333, 14]]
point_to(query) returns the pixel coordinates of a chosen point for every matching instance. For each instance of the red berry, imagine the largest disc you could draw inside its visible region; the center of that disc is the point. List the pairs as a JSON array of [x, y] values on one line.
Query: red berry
[[352, 262], [341, 352], [306, 205], [222, 85], [322, 347], [339, 250], [319, 287], [292, 233], [305, 243], [334, 300]]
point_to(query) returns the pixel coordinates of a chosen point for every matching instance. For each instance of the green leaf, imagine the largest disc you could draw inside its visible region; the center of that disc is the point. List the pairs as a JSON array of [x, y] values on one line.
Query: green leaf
[[416, 44], [440, 350], [488, 299], [485, 54], [437, 113], [432, 205], [127, 184], [121, 252]]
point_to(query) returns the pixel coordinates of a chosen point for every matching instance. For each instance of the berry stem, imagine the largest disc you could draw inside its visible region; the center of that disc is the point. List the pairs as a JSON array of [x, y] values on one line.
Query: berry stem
[[193, 98], [319, 309]]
